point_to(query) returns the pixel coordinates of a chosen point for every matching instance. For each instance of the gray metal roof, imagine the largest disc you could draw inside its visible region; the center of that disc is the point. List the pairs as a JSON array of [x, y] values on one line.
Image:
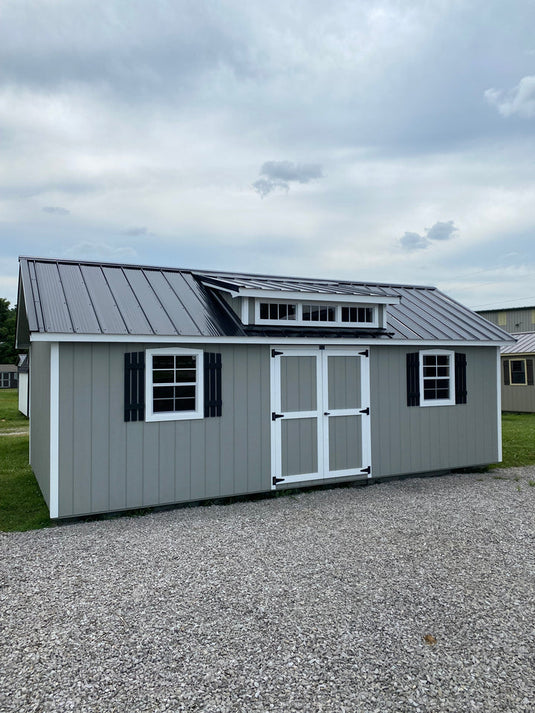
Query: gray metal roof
[[525, 344], [69, 297]]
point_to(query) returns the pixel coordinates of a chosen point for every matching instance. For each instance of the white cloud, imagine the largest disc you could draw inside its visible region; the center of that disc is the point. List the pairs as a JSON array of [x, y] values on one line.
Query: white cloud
[[279, 174], [439, 231], [520, 100]]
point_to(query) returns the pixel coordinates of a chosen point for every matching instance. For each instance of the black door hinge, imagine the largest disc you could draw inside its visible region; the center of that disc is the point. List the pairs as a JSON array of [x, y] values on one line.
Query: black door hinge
[[366, 411], [321, 346], [275, 353], [277, 480], [275, 416], [366, 470], [364, 353]]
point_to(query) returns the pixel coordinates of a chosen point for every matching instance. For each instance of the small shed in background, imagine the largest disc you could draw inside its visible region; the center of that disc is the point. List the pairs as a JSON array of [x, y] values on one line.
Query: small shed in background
[[518, 388], [8, 376]]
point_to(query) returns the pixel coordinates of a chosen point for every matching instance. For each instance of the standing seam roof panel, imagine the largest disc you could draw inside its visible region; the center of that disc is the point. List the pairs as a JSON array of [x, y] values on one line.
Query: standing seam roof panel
[[467, 323], [127, 302], [177, 313], [152, 307], [106, 310], [83, 317], [420, 312], [56, 315]]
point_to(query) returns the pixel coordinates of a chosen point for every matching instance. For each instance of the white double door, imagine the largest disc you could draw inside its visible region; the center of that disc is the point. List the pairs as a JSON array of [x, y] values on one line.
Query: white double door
[[320, 413]]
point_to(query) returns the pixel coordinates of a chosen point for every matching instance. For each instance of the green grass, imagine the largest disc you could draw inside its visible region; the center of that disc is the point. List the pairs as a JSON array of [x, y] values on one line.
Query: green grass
[[11, 418], [518, 437], [22, 506]]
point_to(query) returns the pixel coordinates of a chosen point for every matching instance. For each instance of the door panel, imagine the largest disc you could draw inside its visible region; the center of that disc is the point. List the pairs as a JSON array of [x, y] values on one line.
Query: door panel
[[344, 379], [299, 446], [299, 380], [345, 443]]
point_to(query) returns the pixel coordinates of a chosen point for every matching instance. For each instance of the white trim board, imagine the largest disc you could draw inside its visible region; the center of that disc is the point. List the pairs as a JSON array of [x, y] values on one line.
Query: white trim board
[[312, 340], [54, 431]]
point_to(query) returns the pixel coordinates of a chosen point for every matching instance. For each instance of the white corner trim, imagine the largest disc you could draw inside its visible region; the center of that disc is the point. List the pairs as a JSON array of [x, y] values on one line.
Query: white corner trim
[[54, 430], [499, 401]]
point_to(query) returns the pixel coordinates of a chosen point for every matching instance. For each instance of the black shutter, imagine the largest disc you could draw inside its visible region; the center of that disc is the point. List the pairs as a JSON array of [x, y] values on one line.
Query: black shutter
[[460, 378], [529, 371], [134, 386], [506, 377], [413, 379], [212, 384]]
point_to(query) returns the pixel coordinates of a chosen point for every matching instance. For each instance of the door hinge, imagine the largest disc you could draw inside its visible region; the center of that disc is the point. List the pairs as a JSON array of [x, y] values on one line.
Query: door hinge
[[364, 353], [275, 416], [277, 480], [321, 346], [366, 411], [368, 470], [275, 353]]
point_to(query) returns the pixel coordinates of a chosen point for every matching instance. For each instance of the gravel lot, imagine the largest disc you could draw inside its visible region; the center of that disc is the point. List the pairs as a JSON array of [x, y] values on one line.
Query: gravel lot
[[313, 602]]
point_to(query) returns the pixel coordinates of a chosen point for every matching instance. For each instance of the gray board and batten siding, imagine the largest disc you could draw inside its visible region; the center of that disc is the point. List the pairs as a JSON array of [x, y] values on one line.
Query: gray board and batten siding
[[107, 464], [80, 319], [511, 319]]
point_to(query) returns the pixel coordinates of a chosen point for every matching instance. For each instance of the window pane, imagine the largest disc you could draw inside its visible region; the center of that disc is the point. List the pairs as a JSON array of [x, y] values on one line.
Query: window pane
[[443, 359], [185, 362], [160, 405], [264, 311], [345, 314], [185, 405], [283, 311], [306, 313], [163, 376], [443, 371], [163, 362], [273, 311], [185, 375], [430, 371], [163, 392], [429, 360], [184, 391], [291, 311]]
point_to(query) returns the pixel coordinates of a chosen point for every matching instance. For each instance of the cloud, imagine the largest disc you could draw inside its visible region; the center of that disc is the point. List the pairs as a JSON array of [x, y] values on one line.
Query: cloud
[[279, 174], [100, 251], [135, 231], [520, 100], [55, 210], [413, 241], [439, 231]]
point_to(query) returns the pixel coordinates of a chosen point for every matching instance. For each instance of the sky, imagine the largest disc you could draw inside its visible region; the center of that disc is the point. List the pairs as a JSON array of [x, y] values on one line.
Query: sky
[[377, 140]]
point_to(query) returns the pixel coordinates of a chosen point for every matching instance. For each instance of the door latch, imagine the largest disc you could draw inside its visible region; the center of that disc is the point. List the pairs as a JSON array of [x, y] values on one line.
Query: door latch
[[275, 416], [366, 411], [277, 480]]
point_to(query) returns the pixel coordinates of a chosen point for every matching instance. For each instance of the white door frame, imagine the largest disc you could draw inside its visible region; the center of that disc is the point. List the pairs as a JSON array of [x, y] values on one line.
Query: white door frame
[[322, 413]]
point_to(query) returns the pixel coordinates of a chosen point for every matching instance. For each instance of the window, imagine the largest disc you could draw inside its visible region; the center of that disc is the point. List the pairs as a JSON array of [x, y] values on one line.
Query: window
[[174, 384], [331, 314], [437, 378], [518, 372], [280, 311]]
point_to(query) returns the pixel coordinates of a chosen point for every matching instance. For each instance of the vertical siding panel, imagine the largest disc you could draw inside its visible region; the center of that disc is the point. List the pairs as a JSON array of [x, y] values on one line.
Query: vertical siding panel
[[198, 459], [134, 464], [117, 446], [183, 474], [66, 420], [226, 453], [166, 460], [100, 421], [254, 420], [40, 404], [151, 453], [240, 436], [82, 433], [211, 438]]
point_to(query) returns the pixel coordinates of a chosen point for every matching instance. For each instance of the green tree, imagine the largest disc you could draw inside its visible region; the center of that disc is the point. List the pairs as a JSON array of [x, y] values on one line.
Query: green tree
[[8, 320]]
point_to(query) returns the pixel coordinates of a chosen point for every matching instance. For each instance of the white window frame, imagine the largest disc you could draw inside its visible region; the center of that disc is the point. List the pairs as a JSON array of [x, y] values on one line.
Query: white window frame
[[438, 402], [523, 383], [198, 412], [319, 303]]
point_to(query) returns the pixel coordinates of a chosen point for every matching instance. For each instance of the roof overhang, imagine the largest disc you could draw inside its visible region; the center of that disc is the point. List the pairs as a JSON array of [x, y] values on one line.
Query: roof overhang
[[305, 295]]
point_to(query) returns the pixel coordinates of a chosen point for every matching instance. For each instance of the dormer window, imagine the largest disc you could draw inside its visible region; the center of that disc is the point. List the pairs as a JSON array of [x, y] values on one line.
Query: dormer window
[[312, 313]]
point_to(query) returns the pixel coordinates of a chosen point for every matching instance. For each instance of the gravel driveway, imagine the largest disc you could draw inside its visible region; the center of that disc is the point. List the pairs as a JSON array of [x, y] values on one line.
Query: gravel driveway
[[314, 602]]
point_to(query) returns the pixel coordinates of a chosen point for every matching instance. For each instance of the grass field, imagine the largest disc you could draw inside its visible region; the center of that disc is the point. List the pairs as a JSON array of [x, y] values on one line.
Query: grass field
[[22, 506]]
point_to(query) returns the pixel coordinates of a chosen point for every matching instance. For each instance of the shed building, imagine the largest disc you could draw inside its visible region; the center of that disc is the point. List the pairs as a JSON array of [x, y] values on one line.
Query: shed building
[[151, 386], [518, 387], [8, 376], [512, 319]]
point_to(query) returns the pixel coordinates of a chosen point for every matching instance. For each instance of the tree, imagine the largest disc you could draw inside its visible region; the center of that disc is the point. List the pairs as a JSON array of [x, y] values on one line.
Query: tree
[[8, 321]]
